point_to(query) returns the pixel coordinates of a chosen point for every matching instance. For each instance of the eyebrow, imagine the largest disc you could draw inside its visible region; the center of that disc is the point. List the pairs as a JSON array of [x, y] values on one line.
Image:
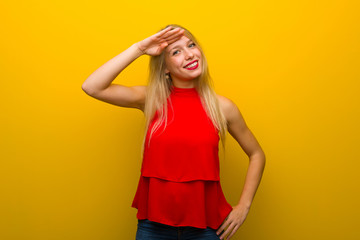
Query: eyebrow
[[178, 45]]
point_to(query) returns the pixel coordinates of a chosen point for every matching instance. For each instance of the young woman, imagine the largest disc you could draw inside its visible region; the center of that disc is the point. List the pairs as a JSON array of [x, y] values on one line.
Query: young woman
[[179, 194]]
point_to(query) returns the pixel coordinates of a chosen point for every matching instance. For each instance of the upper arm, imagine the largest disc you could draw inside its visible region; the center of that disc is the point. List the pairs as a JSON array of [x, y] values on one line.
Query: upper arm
[[123, 96], [237, 126]]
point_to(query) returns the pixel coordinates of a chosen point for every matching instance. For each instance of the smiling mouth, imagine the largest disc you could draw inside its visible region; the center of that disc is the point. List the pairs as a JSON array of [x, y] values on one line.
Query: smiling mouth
[[193, 65]]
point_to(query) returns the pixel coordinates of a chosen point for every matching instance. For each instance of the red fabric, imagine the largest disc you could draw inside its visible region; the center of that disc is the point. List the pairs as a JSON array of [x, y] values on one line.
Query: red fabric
[[179, 183]]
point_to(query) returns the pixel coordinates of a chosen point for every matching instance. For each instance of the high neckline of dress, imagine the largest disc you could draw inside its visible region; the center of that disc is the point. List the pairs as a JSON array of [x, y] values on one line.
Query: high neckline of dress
[[184, 91]]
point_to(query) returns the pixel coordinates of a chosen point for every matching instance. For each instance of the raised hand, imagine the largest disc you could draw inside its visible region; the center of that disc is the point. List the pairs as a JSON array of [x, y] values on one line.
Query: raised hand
[[156, 43]]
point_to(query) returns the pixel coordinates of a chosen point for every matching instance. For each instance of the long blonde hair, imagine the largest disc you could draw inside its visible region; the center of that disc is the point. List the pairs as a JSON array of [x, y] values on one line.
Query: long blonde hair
[[159, 89]]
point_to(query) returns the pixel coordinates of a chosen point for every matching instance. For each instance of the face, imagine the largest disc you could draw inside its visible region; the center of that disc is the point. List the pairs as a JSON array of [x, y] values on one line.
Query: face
[[183, 60]]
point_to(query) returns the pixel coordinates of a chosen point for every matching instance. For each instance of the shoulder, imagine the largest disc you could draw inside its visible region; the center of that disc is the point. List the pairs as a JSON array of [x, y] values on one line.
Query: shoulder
[[235, 121], [224, 101], [227, 106]]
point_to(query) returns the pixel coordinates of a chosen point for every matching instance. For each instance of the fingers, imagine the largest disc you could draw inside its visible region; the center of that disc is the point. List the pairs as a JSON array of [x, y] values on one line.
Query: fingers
[[231, 226], [169, 35], [221, 229], [223, 226], [174, 37], [163, 45], [172, 33], [162, 32], [233, 232]]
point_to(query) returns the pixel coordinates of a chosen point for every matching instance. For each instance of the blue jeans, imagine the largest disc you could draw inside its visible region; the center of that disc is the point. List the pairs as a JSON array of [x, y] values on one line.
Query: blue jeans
[[150, 230]]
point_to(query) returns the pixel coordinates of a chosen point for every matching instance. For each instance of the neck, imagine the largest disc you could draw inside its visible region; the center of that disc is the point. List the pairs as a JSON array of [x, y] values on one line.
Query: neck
[[184, 84]]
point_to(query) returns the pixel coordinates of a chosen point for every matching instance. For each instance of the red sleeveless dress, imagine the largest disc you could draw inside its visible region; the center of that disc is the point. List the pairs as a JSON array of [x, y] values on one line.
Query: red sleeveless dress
[[180, 183]]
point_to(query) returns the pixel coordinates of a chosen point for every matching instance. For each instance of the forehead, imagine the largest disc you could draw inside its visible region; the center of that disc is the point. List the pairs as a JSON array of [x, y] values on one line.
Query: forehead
[[182, 41]]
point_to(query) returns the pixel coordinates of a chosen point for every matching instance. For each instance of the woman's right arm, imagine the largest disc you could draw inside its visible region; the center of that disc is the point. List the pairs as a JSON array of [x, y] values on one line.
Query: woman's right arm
[[99, 84]]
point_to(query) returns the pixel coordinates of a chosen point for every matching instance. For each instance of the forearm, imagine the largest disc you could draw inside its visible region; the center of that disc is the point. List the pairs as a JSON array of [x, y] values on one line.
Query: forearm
[[103, 76], [252, 180]]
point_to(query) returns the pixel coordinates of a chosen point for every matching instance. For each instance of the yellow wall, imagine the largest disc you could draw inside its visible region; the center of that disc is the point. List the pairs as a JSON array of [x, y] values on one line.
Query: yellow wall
[[70, 164]]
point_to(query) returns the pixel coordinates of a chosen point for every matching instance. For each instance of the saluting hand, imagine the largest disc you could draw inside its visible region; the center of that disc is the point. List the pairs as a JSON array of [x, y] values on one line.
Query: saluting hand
[[156, 43]]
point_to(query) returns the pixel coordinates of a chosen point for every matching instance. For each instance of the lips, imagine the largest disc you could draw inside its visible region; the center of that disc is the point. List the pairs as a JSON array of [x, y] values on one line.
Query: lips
[[190, 63]]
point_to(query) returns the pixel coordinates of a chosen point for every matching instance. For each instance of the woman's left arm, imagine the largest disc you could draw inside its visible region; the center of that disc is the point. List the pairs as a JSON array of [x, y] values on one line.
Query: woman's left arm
[[247, 141]]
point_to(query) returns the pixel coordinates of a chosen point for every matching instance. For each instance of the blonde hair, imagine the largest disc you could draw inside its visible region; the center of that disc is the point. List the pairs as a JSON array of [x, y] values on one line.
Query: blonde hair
[[159, 89]]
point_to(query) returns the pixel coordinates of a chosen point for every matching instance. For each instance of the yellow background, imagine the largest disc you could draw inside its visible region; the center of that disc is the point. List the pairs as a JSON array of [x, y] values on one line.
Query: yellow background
[[70, 164]]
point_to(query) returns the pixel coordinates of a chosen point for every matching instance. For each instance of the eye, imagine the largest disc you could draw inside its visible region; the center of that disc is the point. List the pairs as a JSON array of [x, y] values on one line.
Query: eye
[[175, 52], [192, 45]]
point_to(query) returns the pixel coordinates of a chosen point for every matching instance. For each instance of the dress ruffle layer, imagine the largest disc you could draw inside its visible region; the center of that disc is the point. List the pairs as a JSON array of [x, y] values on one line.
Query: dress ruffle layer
[[196, 203]]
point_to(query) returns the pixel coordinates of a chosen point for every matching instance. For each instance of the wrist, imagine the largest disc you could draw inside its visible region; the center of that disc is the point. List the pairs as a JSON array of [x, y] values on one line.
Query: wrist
[[245, 205], [137, 45]]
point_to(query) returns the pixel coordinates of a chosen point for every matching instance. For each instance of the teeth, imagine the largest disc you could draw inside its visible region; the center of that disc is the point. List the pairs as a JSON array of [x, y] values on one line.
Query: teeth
[[192, 65]]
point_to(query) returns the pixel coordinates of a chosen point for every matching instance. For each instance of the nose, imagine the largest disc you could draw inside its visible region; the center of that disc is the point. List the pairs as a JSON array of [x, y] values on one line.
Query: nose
[[189, 54]]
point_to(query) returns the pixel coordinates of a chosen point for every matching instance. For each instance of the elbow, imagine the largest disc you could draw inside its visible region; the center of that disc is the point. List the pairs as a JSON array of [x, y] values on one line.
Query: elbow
[[263, 157], [259, 156], [87, 89]]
